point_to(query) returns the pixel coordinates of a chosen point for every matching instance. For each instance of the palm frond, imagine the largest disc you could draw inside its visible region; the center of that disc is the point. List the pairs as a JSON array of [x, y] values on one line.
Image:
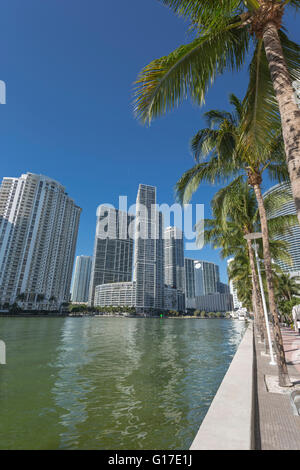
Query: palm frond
[[205, 12], [207, 172], [203, 143], [189, 70], [262, 118], [261, 114], [282, 224]]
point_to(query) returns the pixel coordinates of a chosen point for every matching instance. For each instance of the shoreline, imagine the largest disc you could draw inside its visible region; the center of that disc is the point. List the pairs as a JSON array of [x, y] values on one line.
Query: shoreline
[[68, 315], [245, 414]]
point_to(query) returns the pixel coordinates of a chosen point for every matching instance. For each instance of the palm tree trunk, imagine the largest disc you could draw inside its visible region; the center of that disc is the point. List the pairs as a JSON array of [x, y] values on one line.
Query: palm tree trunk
[[284, 380], [257, 297], [289, 111]]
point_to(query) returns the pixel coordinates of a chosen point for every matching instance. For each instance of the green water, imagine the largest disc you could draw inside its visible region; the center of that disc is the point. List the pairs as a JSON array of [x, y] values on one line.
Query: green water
[[110, 383]]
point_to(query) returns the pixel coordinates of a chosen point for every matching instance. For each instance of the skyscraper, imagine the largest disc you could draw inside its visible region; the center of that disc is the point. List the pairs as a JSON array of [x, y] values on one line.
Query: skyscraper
[[236, 303], [38, 234], [189, 278], [202, 278], [113, 249], [174, 258], [149, 251], [291, 236], [206, 277], [81, 281]]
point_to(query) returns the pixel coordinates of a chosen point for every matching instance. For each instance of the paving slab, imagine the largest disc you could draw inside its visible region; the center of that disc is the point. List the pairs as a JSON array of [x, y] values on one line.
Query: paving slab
[[277, 428]]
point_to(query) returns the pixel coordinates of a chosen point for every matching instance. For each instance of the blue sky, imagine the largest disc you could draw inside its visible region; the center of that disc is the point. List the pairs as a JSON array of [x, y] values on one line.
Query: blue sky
[[69, 66]]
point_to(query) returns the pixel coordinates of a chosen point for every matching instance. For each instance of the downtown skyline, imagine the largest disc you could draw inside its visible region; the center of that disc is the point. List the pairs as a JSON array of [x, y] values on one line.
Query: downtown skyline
[[70, 116]]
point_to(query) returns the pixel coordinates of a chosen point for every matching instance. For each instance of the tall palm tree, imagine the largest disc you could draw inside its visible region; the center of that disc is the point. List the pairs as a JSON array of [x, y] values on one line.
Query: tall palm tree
[[226, 32], [286, 286], [225, 149], [235, 210], [239, 272], [235, 215]]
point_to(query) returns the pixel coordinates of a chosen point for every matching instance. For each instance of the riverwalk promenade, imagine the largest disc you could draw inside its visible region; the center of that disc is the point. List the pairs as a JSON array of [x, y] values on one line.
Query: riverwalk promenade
[[250, 411], [276, 426]]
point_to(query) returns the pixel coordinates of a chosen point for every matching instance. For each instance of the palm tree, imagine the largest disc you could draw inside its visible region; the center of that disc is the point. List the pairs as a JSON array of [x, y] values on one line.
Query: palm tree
[[286, 286], [225, 33], [225, 149], [239, 271], [235, 215], [235, 211]]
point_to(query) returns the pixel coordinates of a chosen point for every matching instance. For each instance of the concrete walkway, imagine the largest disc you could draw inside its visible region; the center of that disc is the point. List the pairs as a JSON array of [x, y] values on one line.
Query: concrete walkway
[[276, 426]]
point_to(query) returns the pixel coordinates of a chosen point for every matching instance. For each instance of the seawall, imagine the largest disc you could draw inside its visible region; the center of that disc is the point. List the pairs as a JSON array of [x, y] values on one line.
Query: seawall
[[229, 422]]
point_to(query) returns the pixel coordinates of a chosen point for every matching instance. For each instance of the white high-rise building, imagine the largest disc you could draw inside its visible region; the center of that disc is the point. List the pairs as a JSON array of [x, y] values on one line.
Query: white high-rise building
[[117, 294], [236, 303], [38, 234], [81, 280], [149, 251]]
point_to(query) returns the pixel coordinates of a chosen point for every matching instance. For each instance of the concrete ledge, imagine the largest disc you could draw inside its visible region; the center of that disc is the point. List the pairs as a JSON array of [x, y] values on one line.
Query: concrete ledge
[[228, 424]]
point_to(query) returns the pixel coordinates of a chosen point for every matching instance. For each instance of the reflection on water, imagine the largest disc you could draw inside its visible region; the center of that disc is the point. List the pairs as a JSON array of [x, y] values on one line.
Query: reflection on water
[[110, 383]]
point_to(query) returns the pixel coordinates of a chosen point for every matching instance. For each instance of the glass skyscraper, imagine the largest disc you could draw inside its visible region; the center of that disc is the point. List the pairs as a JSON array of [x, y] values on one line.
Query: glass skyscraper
[[203, 287], [292, 236], [189, 278], [81, 281], [113, 249], [174, 258], [201, 277], [149, 251]]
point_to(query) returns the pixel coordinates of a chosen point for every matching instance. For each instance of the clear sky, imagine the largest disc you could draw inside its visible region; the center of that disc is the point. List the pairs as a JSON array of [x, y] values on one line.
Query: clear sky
[[69, 66]]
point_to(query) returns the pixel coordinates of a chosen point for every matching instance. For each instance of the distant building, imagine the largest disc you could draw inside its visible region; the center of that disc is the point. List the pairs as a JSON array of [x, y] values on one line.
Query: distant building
[[149, 252], [174, 258], [81, 281], [170, 298], [223, 288], [201, 278], [174, 264], [214, 302], [189, 278], [236, 303], [113, 249], [174, 299], [117, 294], [292, 236], [38, 233], [207, 277]]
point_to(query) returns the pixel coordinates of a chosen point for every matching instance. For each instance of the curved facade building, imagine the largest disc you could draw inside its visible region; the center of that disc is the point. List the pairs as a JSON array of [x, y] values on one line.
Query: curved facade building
[[118, 294], [292, 237]]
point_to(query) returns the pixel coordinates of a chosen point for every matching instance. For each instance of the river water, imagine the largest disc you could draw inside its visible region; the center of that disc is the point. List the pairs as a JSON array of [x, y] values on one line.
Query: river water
[[110, 383]]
